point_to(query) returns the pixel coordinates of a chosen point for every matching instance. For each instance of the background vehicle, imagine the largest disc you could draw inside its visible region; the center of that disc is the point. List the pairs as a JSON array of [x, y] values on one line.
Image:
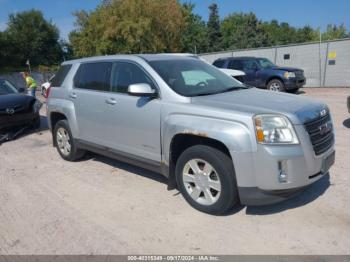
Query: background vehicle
[[17, 109], [262, 73], [219, 141], [236, 74], [348, 104], [45, 86]]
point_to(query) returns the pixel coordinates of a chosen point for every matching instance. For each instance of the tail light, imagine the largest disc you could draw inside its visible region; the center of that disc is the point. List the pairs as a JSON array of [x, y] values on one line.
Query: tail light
[[47, 93]]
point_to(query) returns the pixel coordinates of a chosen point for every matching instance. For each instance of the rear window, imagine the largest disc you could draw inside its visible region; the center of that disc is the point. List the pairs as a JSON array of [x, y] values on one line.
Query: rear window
[[60, 75], [94, 76], [219, 63]]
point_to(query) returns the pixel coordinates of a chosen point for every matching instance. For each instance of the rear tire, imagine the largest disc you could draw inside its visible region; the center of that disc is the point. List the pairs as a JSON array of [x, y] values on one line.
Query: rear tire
[[213, 189], [65, 143], [276, 85]]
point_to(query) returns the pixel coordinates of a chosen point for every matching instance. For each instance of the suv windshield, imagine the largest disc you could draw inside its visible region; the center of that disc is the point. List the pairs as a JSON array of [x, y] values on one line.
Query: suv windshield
[[192, 77], [7, 88], [265, 63]]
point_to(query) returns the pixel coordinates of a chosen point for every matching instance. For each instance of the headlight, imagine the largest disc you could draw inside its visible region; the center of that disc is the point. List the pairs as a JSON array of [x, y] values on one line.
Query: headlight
[[37, 105], [274, 129], [289, 75]]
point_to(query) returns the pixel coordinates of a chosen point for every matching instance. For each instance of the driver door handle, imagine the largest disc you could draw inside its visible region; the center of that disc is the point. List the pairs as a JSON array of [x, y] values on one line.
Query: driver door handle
[[111, 101]]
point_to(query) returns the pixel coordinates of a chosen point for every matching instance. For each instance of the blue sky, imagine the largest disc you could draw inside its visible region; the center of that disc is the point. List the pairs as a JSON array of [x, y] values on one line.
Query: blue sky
[[317, 13]]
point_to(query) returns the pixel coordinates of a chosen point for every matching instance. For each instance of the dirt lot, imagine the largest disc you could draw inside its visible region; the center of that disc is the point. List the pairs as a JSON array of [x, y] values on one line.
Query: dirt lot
[[102, 206]]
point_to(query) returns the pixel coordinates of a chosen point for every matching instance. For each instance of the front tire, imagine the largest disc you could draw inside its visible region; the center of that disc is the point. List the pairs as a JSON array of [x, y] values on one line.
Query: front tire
[[206, 179], [276, 85], [65, 143]]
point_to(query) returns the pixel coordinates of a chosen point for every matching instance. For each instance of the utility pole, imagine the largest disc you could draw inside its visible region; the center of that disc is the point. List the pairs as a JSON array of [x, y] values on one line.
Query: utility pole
[[28, 64], [320, 58]]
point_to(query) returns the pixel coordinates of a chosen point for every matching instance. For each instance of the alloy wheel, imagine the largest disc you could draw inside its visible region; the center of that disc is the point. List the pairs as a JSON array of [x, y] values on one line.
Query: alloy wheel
[[63, 141], [201, 181]]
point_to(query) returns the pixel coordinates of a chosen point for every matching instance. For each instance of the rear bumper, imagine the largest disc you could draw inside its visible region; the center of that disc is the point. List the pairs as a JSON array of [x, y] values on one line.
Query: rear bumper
[[293, 83]]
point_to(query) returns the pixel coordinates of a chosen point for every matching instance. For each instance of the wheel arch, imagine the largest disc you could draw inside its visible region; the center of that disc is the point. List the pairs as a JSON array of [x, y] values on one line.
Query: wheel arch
[[226, 136], [269, 79]]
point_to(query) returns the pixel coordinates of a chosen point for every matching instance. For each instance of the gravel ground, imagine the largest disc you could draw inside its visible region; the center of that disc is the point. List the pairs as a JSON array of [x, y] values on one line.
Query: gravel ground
[[102, 206]]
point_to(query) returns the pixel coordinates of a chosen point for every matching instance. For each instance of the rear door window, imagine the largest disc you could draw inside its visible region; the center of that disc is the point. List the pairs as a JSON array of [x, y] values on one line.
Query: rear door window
[[60, 75], [249, 65], [94, 76], [235, 64]]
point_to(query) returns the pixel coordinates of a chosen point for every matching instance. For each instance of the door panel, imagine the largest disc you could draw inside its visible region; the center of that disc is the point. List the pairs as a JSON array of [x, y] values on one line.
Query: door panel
[[134, 122], [90, 94]]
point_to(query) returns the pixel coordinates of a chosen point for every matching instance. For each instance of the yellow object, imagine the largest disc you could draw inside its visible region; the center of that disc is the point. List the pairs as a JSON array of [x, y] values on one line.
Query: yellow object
[[259, 132], [332, 55], [31, 82]]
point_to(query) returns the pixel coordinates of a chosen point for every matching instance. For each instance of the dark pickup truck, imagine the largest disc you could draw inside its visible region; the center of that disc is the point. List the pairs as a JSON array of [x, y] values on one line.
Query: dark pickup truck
[[262, 73]]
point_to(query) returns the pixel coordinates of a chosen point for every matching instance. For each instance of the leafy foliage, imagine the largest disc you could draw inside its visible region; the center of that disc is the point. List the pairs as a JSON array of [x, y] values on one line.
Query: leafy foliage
[[129, 26], [243, 31], [335, 32], [30, 36], [214, 32], [195, 35]]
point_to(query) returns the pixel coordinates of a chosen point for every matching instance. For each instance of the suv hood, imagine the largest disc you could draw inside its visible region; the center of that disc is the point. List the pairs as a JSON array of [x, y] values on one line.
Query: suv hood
[[289, 69], [254, 101]]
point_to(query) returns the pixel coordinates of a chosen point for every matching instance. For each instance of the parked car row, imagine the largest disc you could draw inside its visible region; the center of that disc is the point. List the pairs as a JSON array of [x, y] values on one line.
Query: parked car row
[[17, 111], [218, 141], [262, 73]]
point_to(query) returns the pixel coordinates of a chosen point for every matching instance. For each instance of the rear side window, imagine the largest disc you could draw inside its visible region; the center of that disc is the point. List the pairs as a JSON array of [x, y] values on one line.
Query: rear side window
[[219, 63], [60, 75], [235, 64], [94, 76]]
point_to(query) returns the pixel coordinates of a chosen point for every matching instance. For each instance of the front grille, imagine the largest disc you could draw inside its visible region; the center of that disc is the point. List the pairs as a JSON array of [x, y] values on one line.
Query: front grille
[[321, 133], [299, 74]]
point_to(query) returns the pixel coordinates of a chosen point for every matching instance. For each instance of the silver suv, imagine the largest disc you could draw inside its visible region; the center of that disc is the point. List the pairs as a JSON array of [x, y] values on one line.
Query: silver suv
[[218, 141]]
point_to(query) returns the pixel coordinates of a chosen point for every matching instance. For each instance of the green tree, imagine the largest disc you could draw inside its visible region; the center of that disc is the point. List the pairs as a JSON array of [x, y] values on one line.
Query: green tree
[[32, 37], [241, 31], [335, 32], [194, 37], [129, 26], [213, 27], [306, 34]]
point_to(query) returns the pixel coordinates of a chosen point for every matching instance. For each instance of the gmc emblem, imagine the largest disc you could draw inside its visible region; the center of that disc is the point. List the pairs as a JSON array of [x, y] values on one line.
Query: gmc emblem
[[325, 128]]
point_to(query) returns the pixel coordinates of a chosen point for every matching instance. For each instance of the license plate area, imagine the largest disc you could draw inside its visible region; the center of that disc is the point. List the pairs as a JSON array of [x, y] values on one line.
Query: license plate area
[[328, 162]]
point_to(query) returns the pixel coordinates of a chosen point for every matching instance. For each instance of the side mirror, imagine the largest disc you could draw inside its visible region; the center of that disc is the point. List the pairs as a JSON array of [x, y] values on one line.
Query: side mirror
[[21, 90], [141, 89]]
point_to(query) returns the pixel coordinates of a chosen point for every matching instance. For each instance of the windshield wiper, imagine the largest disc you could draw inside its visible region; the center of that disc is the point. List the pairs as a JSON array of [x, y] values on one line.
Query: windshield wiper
[[234, 88]]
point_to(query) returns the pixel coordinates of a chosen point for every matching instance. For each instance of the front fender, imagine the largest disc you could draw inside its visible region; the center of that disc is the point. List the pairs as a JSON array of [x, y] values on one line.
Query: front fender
[[236, 136]]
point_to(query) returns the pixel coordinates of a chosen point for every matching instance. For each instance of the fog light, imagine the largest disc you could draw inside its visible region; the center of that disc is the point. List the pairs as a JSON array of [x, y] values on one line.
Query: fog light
[[282, 171]]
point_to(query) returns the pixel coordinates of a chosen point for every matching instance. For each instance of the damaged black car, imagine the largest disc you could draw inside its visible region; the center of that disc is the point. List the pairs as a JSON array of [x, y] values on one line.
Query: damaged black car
[[18, 112]]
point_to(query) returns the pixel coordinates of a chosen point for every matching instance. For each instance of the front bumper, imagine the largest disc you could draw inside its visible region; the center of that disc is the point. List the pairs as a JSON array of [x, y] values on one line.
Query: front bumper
[[258, 173], [8, 122], [293, 83], [253, 196]]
